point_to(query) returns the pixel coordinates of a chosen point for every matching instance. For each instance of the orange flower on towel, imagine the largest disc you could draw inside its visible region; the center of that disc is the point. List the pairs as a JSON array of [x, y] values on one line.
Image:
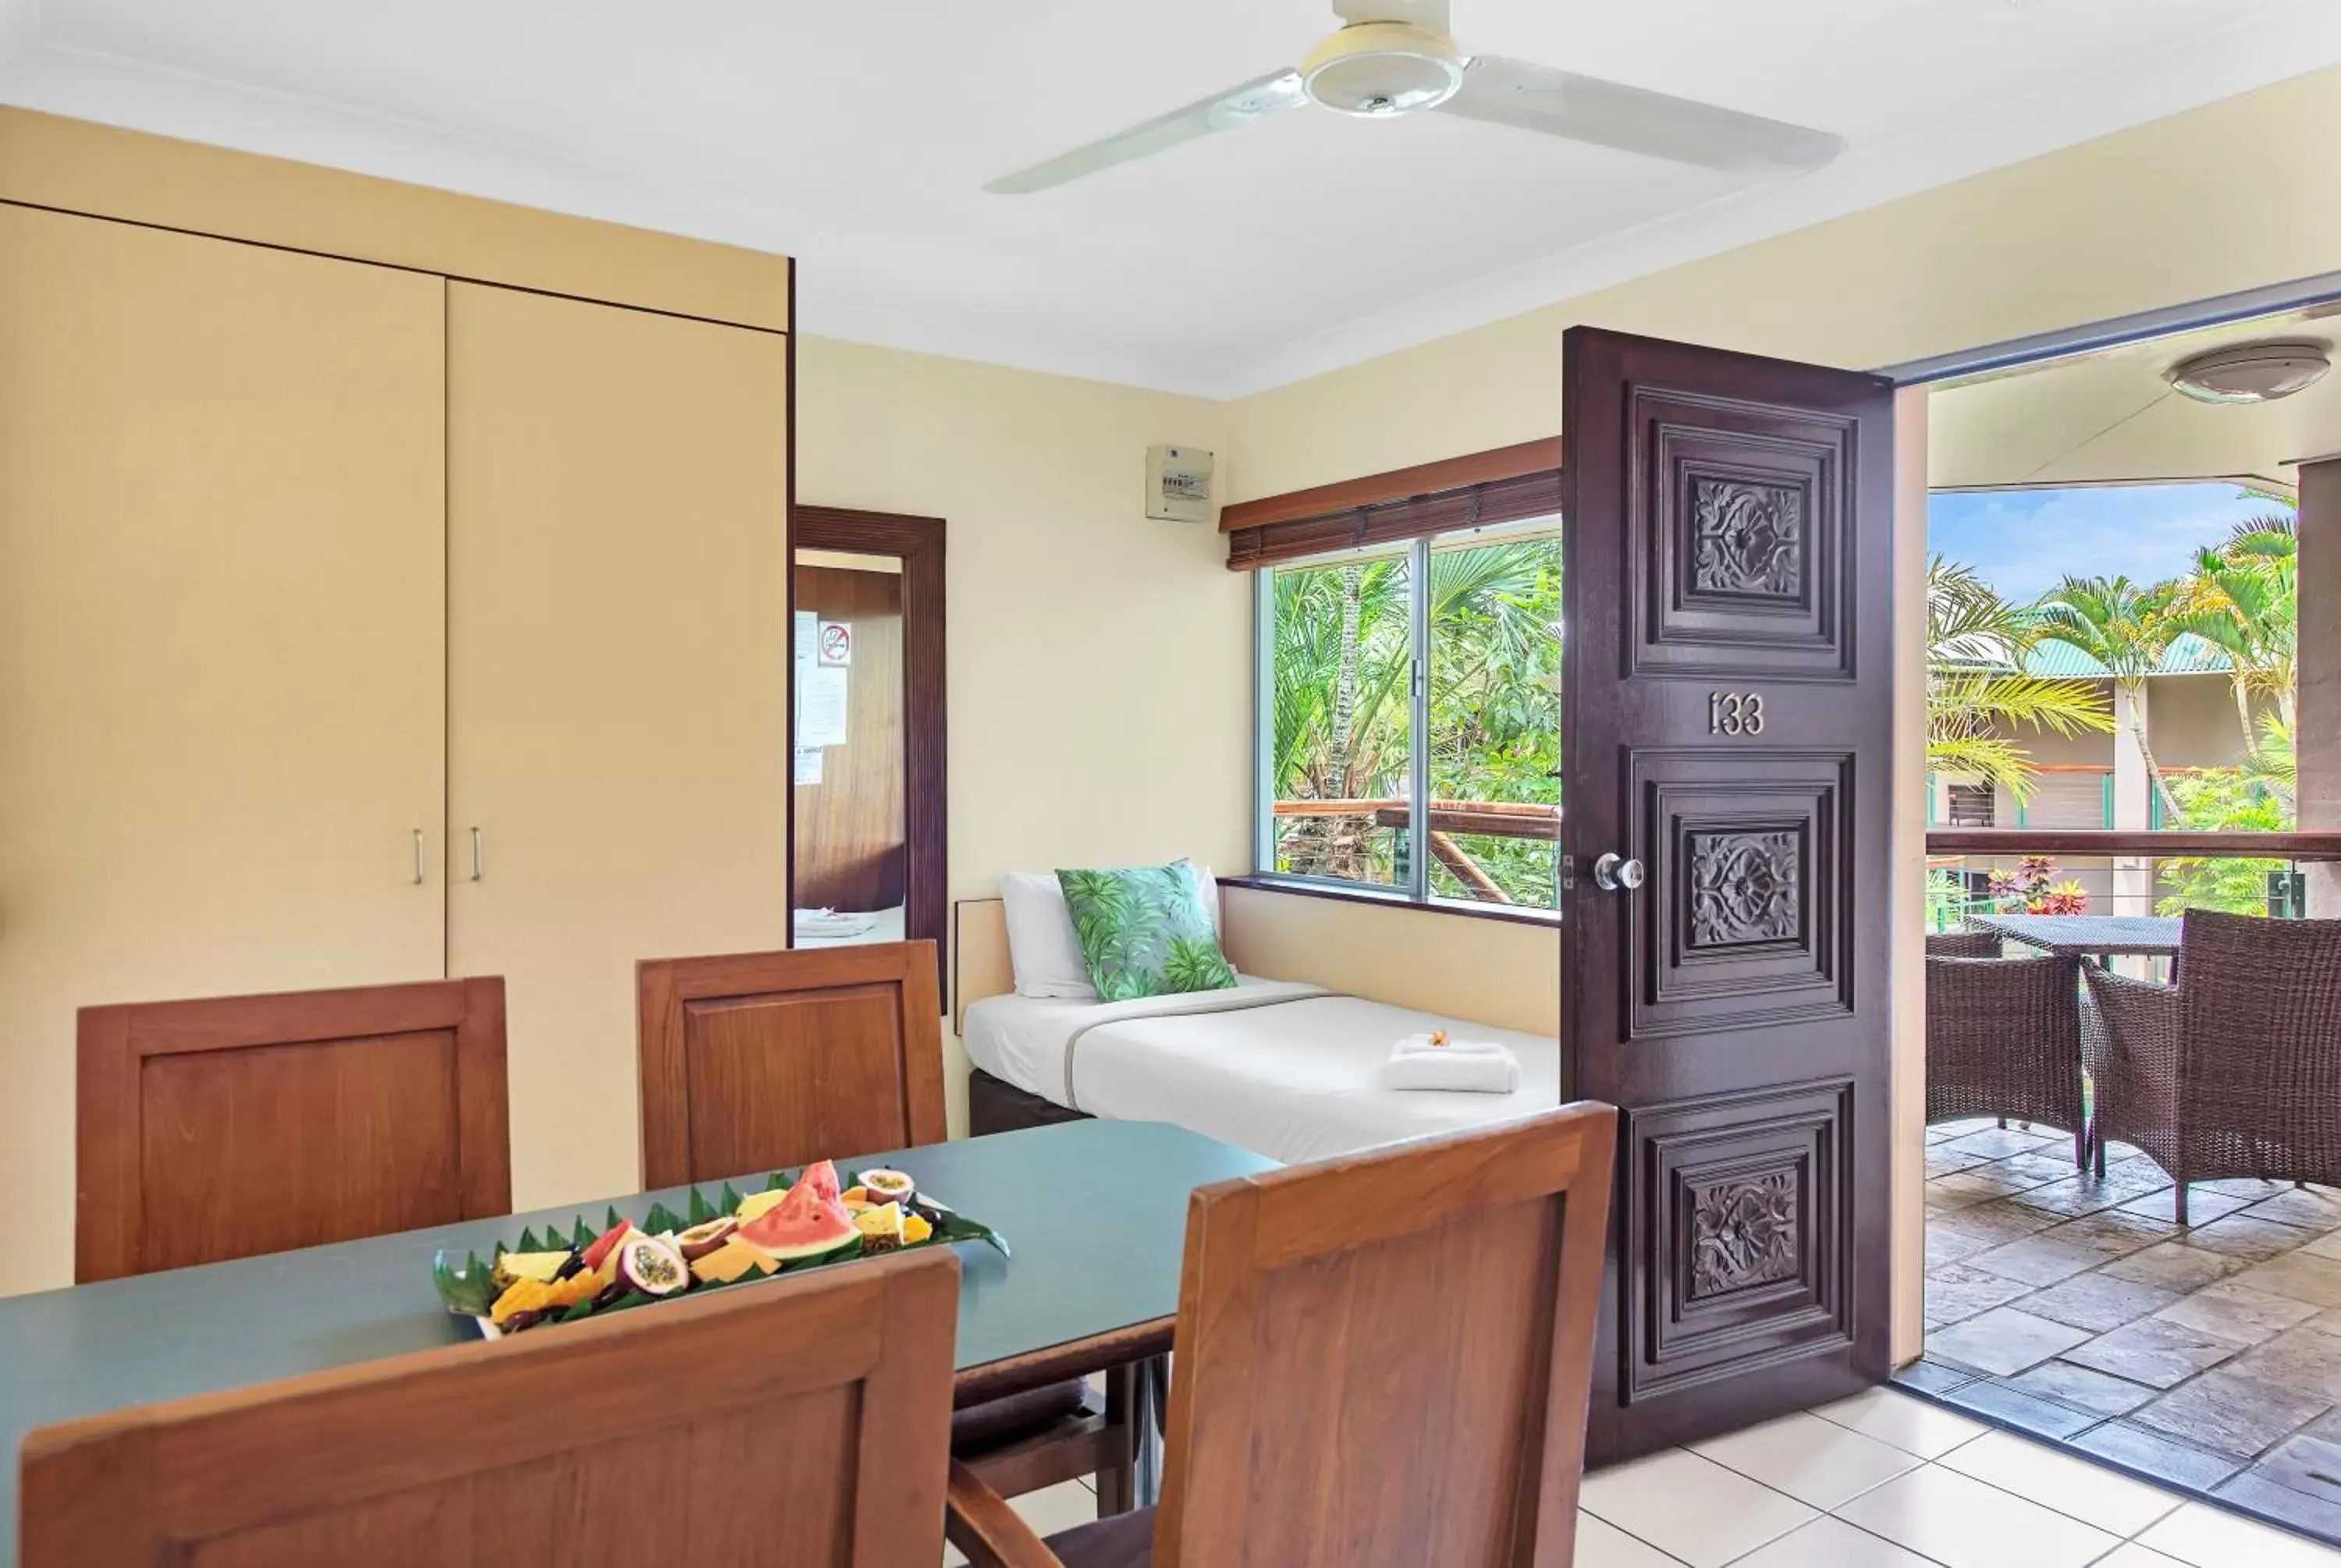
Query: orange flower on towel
[[1439, 1037]]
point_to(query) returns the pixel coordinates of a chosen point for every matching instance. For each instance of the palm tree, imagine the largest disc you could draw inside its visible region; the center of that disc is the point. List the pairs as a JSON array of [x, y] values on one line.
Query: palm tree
[[2244, 600], [2126, 628], [1977, 697]]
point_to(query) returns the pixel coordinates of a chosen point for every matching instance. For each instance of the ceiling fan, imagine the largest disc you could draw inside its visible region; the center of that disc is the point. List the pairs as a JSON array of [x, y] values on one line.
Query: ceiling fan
[[1394, 57]]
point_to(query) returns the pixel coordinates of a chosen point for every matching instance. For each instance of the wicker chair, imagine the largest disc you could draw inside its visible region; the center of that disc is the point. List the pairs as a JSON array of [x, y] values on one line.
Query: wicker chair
[[2004, 1039], [1963, 945], [2236, 1070]]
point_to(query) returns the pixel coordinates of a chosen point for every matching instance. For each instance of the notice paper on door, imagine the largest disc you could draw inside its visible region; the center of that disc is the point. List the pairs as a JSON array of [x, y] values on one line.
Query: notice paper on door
[[809, 764], [821, 706]]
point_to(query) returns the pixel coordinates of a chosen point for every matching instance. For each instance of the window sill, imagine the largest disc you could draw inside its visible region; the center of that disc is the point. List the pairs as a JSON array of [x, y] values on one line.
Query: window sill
[[1389, 898]]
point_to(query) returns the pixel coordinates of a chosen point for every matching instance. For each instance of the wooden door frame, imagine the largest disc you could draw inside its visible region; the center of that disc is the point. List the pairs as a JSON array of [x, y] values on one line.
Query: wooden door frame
[[918, 543]]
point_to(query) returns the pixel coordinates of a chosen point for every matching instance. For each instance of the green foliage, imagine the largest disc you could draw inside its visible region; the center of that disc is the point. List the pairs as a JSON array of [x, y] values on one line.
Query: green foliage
[[2233, 800], [1342, 717], [1978, 699]]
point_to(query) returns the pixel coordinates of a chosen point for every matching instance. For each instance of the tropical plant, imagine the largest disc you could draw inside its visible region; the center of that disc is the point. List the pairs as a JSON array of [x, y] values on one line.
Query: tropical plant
[[2032, 889], [2125, 628], [2256, 797], [1342, 718], [2243, 598], [1979, 698]]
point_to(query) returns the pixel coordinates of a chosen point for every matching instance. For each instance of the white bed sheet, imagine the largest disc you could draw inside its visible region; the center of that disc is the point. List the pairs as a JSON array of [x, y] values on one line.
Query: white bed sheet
[[1300, 1080]]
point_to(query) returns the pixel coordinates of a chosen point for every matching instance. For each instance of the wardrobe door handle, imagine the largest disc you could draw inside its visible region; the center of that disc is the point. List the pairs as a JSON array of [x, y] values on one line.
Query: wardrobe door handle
[[479, 864], [418, 857]]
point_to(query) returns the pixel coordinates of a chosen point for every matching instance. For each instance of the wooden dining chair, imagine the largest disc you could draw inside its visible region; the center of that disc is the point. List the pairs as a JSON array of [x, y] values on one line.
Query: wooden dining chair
[[753, 1061], [1382, 1362], [795, 1422], [220, 1128]]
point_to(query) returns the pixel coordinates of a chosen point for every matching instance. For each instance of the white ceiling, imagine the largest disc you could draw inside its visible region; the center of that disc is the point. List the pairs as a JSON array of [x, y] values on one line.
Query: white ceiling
[[855, 136], [2111, 417]]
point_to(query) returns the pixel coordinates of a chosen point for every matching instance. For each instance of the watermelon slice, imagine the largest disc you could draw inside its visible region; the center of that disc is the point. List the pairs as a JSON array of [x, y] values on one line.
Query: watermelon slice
[[606, 1243], [821, 1177], [807, 1224]]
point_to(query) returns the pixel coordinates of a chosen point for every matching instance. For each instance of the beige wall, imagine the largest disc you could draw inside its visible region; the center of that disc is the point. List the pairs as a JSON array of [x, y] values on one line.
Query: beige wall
[[1501, 972], [1099, 663], [2151, 216]]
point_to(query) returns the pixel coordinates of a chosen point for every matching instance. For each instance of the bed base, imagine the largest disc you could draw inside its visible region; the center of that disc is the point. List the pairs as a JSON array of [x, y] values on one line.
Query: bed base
[[996, 1106]]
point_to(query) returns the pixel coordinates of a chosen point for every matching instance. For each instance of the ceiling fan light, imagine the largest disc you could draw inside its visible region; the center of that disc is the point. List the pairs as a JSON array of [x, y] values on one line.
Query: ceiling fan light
[[1376, 70], [2251, 373]]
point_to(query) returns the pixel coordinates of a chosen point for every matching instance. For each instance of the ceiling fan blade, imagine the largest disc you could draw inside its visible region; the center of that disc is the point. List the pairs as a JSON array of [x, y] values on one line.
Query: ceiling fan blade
[[1255, 100], [1431, 16], [1634, 119]]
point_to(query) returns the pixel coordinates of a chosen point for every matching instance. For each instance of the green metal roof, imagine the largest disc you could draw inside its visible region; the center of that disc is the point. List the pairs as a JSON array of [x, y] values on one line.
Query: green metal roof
[[2186, 655]]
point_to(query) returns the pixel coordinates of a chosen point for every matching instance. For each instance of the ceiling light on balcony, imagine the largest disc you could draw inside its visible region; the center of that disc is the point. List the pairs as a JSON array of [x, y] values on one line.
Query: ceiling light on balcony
[[2252, 373]]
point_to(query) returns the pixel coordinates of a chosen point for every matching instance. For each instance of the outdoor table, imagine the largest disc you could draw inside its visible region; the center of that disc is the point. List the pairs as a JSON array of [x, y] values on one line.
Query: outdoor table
[[1095, 1212], [2088, 936]]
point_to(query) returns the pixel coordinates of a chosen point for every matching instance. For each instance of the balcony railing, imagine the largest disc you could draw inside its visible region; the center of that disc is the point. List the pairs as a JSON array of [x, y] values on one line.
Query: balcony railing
[[1449, 821], [2116, 872]]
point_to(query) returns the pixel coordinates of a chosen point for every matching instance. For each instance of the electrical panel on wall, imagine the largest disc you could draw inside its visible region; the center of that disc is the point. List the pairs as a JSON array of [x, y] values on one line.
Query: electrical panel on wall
[[1178, 484]]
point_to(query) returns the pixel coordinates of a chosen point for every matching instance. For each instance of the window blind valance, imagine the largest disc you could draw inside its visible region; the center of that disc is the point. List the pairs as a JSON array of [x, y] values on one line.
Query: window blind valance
[[1508, 485]]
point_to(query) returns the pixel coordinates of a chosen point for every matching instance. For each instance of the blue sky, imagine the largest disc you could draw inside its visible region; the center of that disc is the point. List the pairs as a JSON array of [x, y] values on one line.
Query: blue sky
[[2024, 541]]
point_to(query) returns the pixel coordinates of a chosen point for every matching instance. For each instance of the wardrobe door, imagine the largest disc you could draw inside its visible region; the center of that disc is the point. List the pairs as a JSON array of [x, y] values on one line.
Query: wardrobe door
[[222, 642], [618, 667]]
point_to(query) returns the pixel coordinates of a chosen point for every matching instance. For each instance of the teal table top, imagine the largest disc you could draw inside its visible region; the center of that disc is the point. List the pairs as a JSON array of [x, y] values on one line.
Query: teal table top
[[1095, 1213]]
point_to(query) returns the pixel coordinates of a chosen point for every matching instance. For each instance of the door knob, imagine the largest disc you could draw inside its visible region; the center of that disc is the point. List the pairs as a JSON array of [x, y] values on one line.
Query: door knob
[[1616, 873]]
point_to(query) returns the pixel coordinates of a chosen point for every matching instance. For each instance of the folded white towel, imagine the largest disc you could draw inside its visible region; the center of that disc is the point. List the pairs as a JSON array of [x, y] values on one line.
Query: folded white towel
[[1473, 1067], [1448, 1046]]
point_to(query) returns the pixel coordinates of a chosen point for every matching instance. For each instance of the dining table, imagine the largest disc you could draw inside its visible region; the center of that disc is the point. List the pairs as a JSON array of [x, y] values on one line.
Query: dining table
[[2090, 936], [1093, 1214]]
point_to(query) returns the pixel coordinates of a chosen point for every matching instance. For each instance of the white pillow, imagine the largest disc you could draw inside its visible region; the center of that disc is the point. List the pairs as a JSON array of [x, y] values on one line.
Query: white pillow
[[1042, 948]]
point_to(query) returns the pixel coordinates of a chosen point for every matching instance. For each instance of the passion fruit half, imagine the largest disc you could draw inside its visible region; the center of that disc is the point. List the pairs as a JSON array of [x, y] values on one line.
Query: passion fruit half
[[701, 1239], [889, 1186], [652, 1267]]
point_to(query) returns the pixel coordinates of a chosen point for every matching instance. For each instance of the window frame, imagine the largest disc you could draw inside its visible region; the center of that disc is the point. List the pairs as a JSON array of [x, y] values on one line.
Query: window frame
[[1416, 893]]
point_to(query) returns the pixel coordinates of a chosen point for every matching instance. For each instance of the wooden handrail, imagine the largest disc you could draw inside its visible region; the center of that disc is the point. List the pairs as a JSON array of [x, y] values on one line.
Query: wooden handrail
[[1484, 818], [2105, 842]]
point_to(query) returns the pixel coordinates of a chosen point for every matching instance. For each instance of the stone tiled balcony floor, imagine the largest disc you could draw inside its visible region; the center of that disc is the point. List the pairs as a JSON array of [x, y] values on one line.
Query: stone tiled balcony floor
[[2207, 1359]]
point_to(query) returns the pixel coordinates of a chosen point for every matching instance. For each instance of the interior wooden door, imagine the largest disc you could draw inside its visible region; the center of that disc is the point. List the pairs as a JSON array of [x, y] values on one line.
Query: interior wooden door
[[221, 720], [1728, 749], [618, 579]]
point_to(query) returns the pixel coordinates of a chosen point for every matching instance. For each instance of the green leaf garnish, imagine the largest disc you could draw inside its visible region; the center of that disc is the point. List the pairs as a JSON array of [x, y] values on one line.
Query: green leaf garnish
[[582, 1236], [701, 1210], [662, 1220], [528, 1242], [778, 1184], [615, 1220], [730, 1200], [464, 1288]]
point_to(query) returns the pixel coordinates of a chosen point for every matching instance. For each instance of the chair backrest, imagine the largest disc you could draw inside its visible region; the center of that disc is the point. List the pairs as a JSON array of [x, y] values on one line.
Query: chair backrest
[[1391, 1353], [220, 1128], [757, 1060], [795, 1422], [2261, 1003], [1963, 945]]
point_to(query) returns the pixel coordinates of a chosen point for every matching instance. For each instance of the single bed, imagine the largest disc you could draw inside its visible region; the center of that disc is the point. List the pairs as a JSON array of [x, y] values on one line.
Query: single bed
[[1283, 1068]]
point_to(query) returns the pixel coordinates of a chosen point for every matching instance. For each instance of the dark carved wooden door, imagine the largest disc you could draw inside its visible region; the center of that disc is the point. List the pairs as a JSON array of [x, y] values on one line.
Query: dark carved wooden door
[[1728, 756]]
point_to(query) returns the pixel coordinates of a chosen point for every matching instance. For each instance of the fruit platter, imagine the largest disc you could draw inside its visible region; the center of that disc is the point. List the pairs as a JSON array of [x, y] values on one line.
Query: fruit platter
[[715, 1243]]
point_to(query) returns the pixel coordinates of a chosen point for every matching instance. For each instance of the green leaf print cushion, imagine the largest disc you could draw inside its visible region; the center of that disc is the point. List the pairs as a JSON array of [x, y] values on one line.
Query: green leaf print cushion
[[1144, 932]]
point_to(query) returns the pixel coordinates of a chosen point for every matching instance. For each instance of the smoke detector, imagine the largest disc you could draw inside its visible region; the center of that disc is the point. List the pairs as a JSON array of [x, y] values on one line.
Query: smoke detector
[[2251, 373]]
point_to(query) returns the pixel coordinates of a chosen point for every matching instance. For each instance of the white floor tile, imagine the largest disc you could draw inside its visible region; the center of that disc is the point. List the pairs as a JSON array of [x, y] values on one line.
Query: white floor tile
[[1833, 1544], [1912, 1425], [1691, 1508], [2207, 1538], [1058, 1507], [1047, 1511], [2134, 1555], [1601, 1545], [1964, 1523], [2072, 1487], [1811, 1460]]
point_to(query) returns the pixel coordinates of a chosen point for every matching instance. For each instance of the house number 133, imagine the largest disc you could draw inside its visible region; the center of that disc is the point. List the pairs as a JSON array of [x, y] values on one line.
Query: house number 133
[[1735, 713]]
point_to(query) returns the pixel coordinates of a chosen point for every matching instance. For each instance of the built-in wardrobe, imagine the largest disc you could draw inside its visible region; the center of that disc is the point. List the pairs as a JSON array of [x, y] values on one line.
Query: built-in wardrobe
[[392, 585]]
